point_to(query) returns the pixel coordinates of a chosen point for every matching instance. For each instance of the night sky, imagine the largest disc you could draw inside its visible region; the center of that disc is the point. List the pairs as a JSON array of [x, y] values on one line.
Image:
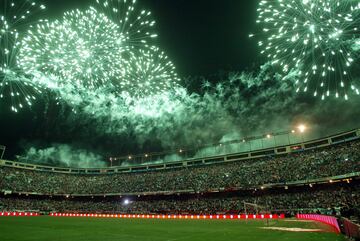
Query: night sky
[[202, 38]]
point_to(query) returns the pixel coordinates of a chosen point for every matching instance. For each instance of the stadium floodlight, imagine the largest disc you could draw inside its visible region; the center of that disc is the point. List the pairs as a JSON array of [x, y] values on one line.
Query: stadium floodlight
[[301, 128], [126, 202]]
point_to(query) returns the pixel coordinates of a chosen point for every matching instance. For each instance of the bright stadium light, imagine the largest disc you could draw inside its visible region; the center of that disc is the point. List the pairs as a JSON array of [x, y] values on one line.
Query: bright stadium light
[[126, 202], [301, 128]]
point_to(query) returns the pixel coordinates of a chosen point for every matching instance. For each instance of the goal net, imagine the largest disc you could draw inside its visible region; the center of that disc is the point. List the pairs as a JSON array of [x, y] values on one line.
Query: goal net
[[254, 208]]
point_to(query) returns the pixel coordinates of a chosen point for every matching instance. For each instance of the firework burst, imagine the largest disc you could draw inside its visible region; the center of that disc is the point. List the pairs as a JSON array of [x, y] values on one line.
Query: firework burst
[[104, 46], [15, 87], [136, 25], [90, 48], [316, 37], [148, 72], [85, 48]]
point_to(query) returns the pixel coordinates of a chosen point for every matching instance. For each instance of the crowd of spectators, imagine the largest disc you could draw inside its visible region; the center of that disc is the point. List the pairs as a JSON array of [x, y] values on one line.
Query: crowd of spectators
[[333, 198], [310, 164]]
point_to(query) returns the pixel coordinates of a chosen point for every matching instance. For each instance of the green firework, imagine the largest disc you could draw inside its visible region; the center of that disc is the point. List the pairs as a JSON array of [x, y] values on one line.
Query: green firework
[[136, 25], [149, 72], [316, 37], [109, 44], [15, 87], [85, 48]]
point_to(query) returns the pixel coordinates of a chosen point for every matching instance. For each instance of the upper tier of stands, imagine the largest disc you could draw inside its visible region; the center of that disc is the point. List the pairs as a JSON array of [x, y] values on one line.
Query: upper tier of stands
[[209, 159], [326, 158]]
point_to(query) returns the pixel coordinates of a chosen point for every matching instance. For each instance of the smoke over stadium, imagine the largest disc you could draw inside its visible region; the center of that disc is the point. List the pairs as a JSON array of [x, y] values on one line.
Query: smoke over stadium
[[238, 106]]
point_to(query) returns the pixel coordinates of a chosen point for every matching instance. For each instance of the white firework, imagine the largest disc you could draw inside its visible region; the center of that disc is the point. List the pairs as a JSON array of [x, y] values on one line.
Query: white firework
[[136, 25], [16, 89], [148, 72], [85, 48], [316, 37]]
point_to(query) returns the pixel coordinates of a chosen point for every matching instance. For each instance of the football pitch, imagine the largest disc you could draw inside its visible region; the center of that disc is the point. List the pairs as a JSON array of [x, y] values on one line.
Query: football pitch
[[110, 229]]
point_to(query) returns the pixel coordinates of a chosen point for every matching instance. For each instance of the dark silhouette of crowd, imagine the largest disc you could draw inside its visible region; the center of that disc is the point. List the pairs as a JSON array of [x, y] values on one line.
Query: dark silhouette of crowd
[[311, 164], [326, 199]]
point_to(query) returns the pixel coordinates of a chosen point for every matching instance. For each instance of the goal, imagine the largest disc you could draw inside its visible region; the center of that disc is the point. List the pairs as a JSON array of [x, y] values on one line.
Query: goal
[[253, 208]]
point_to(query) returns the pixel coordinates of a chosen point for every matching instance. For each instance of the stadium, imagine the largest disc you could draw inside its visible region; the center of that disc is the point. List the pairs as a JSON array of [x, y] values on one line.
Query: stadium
[[105, 137], [319, 177]]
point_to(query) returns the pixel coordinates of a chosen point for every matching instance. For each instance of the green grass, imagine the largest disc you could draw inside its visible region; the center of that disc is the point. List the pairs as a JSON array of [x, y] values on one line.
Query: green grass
[[103, 229]]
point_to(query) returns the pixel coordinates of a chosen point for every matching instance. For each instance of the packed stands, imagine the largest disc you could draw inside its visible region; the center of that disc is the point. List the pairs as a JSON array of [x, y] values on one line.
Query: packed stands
[[329, 199], [312, 164], [324, 179]]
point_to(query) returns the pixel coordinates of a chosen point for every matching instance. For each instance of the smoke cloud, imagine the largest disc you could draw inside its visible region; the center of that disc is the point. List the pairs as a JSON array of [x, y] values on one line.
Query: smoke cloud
[[238, 105], [64, 156]]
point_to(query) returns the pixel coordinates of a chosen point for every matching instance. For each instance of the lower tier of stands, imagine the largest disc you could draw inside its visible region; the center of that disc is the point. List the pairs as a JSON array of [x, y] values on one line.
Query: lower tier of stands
[[332, 199]]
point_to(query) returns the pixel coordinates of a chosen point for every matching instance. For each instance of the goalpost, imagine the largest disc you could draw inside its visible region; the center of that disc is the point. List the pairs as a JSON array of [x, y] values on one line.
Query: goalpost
[[254, 208]]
